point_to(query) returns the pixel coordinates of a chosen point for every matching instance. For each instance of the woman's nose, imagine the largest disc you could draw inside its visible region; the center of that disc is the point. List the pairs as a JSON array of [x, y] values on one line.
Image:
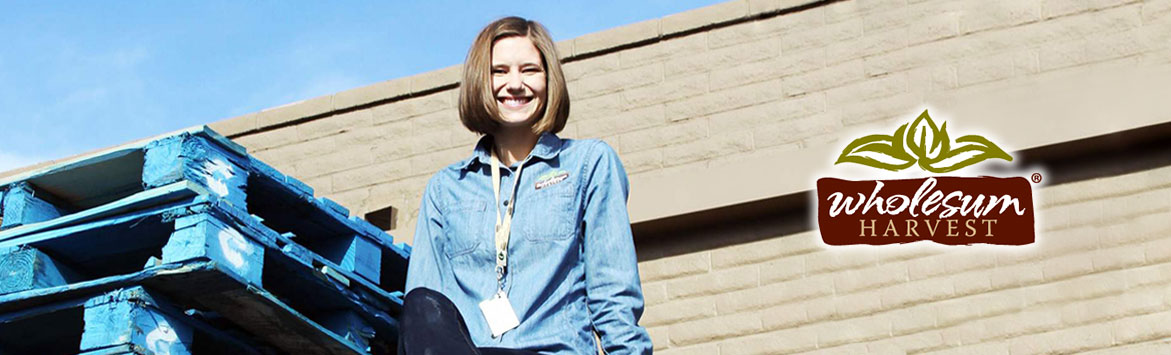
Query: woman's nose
[[515, 81]]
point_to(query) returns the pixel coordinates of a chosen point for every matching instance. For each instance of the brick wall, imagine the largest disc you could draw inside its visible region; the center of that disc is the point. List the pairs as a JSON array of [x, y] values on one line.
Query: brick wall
[[758, 81], [1100, 277]]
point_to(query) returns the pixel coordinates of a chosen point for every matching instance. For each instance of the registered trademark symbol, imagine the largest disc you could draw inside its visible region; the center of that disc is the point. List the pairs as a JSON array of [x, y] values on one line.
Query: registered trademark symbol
[[1036, 178]]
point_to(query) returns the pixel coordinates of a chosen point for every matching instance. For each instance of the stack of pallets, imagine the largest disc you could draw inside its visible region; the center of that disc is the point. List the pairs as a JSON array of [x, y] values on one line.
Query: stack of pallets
[[185, 244]]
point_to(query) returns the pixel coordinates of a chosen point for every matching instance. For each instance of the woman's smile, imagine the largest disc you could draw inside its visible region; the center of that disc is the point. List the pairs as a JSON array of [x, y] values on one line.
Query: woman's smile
[[514, 103]]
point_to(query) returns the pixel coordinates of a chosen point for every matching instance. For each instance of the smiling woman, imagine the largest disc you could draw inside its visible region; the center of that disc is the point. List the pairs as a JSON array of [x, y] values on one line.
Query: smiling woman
[[518, 80], [571, 276]]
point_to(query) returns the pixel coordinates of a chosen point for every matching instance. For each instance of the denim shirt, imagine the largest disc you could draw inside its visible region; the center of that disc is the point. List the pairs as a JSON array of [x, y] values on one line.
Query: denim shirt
[[571, 269]]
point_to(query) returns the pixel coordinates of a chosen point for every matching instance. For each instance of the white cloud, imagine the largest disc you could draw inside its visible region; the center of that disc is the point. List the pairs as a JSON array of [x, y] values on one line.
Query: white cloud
[[10, 161]]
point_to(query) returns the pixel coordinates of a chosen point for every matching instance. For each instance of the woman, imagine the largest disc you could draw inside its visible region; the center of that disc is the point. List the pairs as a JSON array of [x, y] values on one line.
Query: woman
[[525, 247]]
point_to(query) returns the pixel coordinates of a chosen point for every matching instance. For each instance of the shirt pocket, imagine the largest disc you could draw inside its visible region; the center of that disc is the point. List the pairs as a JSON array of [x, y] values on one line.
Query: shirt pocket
[[465, 226], [550, 216]]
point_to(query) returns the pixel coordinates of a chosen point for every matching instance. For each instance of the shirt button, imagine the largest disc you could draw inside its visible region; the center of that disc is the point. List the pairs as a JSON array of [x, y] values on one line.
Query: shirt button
[[505, 203]]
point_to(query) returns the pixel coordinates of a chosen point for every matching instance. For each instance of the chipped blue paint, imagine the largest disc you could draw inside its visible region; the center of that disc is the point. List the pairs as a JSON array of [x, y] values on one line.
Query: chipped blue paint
[[250, 227], [222, 141], [153, 197], [358, 255], [19, 299], [406, 248], [198, 160], [333, 206], [25, 268], [22, 206], [287, 183], [132, 316], [196, 189], [50, 234], [161, 164], [203, 236], [371, 230], [298, 253]]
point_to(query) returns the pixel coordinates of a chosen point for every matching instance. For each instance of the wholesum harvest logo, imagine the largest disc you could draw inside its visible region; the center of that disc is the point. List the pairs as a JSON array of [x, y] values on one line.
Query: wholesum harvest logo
[[953, 210]]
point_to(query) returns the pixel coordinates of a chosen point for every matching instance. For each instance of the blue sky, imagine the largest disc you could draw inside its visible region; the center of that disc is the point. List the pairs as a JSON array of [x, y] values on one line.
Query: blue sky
[[82, 75]]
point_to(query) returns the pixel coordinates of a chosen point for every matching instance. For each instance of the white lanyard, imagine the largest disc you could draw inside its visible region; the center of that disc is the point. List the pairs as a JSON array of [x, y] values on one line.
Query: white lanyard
[[503, 228]]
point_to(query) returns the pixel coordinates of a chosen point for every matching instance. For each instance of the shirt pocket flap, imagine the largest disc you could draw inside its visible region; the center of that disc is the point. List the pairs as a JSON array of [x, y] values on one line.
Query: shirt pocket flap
[[465, 226]]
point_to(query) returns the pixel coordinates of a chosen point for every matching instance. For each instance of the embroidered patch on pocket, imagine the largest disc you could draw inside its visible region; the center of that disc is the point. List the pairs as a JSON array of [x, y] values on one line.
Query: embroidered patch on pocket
[[551, 178]]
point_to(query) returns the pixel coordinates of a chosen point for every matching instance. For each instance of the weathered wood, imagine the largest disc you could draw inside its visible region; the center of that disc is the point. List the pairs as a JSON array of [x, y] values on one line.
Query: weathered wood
[[298, 253], [97, 178], [55, 323], [200, 275], [94, 243], [193, 217], [216, 168], [194, 236], [23, 204], [26, 268], [142, 200], [272, 320], [136, 318], [198, 160], [204, 236], [366, 290], [358, 255]]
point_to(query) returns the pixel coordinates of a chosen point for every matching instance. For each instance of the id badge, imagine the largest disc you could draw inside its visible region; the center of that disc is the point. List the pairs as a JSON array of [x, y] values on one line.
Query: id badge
[[501, 318]]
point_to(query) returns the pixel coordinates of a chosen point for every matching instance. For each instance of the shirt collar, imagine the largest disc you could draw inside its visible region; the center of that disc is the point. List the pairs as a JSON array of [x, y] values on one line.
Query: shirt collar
[[548, 146]]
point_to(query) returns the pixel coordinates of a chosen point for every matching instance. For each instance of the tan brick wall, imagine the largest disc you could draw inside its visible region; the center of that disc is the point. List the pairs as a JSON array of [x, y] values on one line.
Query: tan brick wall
[[1100, 277], [744, 80]]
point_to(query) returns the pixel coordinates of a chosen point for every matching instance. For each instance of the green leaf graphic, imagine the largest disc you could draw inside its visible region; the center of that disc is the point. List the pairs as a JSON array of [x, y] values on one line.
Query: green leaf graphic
[[882, 145], [982, 147], [924, 142], [940, 148]]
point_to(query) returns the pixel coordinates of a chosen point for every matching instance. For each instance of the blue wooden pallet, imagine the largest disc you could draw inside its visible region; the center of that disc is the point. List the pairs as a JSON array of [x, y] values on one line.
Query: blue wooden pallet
[[98, 184], [107, 247], [130, 320]]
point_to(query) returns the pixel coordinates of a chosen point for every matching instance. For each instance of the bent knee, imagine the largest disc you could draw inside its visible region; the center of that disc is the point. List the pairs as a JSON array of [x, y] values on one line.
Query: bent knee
[[424, 299], [421, 293]]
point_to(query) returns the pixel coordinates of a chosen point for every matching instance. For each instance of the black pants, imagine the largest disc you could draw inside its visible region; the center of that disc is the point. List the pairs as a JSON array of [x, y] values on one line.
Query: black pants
[[430, 324]]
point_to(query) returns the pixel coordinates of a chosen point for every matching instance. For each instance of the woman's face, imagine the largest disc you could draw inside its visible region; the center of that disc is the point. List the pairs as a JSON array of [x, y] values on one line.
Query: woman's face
[[518, 80]]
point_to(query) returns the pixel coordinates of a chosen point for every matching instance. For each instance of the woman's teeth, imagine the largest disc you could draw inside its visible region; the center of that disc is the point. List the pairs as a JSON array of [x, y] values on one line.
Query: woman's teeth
[[515, 101]]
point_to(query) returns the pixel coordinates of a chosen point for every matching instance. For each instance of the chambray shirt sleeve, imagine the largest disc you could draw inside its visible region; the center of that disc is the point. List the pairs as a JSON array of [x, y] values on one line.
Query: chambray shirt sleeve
[[611, 267], [424, 266]]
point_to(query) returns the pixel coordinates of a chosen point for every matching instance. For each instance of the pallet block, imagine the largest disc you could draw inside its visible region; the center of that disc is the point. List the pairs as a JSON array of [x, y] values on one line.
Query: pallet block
[[204, 236], [199, 160], [134, 318], [21, 204], [25, 268]]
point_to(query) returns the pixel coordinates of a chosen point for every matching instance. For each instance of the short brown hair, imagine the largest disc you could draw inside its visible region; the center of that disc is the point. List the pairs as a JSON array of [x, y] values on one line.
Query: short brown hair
[[477, 102]]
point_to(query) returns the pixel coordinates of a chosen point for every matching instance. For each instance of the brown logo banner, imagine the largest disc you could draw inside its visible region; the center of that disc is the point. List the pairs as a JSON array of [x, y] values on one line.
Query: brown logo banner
[[947, 210]]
